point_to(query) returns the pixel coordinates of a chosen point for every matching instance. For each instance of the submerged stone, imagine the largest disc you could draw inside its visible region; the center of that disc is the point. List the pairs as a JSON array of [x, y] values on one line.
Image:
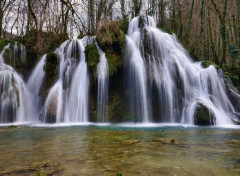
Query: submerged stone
[[165, 141], [130, 142]]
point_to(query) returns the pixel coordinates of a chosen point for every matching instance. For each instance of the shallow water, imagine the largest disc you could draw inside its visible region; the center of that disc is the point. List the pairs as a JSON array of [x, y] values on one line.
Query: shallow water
[[107, 150]]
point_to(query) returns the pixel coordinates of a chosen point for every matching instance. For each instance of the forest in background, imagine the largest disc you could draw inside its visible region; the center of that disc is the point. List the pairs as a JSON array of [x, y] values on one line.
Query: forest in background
[[208, 29]]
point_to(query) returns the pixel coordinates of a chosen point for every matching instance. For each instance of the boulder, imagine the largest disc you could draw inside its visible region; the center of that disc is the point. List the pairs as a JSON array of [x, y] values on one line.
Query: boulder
[[203, 116]]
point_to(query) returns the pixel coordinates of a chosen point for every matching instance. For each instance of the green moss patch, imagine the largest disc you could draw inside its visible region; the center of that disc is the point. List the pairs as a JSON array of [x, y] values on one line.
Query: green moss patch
[[3, 43], [92, 58]]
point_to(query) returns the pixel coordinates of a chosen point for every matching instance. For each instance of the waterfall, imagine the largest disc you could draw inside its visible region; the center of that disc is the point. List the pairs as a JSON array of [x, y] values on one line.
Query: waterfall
[[35, 81], [102, 96], [137, 74], [16, 103], [164, 84], [23, 53], [77, 102], [15, 52], [69, 103], [156, 61], [19, 52]]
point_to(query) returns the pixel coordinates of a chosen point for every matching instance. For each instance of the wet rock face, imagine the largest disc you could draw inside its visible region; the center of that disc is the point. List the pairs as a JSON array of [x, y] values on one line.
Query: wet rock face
[[202, 116], [235, 116], [232, 95]]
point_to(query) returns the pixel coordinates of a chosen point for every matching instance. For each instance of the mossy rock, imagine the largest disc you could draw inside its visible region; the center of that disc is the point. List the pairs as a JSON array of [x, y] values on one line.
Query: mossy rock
[[165, 141], [12, 127], [207, 63], [111, 37], [36, 44], [203, 116], [111, 40], [131, 142], [233, 75], [92, 58], [114, 61], [167, 30]]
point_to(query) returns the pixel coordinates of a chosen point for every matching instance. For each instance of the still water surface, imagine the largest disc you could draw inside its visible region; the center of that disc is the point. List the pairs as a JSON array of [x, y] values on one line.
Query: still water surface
[[107, 150]]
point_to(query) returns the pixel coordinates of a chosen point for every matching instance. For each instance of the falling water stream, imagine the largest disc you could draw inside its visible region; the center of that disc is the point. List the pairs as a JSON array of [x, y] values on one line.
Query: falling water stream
[[102, 96], [35, 81]]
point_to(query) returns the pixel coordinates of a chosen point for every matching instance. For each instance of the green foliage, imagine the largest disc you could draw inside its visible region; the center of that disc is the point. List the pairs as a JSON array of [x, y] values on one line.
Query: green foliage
[[38, 43], [167, 30], [30, 41], [92, 58], [207, 63], [123, 24], [111, 37], [232, 74], [3, 43], [51, 41], [119, 174]]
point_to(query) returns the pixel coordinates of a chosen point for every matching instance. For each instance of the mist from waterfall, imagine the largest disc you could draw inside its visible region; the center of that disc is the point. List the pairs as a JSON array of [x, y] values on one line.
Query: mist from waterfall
[[157, 62], [102, 93]]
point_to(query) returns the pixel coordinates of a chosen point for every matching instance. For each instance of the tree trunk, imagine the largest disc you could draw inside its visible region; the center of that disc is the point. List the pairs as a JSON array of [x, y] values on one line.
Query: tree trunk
[[1, 21], [91, 17]]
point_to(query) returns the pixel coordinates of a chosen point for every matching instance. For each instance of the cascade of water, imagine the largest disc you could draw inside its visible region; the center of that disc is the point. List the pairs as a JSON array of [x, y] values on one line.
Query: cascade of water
[[15, 52], [23, 53], [35, 81], [137, 74], [102, 96], [157, 58], [16, 103], [69, 102], [77, 101]]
